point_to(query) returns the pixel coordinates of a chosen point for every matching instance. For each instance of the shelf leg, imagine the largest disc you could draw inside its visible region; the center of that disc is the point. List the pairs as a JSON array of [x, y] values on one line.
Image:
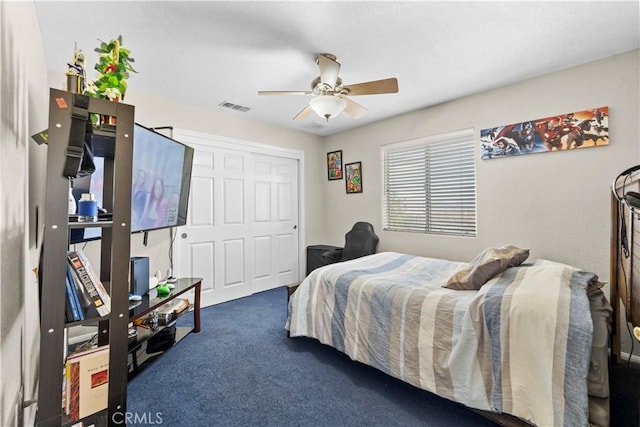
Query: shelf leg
[[196, 309]]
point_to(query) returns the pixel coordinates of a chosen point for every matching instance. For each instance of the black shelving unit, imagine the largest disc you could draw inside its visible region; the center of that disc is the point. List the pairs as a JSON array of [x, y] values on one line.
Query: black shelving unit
[[117, 146]]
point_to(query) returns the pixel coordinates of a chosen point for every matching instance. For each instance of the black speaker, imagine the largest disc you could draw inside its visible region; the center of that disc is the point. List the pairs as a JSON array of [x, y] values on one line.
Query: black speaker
[[139, 280]]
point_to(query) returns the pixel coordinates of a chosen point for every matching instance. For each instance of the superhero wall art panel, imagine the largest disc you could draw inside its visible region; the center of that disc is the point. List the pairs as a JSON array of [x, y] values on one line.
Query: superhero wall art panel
[[589, 128]]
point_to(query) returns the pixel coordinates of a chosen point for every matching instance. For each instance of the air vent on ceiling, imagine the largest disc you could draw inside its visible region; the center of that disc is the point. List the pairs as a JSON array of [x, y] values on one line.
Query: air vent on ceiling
[[316, 125], [233, 106]]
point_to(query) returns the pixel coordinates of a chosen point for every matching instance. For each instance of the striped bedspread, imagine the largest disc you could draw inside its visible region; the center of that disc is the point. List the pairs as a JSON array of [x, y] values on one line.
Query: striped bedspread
[[520, 345]]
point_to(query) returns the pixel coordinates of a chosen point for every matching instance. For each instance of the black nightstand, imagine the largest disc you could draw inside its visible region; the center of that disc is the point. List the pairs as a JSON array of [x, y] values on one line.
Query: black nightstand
[[314, 256]]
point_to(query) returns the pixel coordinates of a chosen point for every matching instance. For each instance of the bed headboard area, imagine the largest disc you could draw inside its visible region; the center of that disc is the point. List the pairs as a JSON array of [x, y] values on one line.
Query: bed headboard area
[[625, 262]]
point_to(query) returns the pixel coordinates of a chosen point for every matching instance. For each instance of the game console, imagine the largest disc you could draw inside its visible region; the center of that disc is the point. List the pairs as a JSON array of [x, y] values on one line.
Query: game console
[[139, 276]]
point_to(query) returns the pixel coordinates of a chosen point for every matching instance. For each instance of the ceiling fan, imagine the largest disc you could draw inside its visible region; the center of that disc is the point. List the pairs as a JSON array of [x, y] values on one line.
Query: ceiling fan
[[330, 96]]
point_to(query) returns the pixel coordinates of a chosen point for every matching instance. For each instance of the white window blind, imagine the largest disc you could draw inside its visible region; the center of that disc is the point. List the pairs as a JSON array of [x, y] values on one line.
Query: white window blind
[[430, 185]]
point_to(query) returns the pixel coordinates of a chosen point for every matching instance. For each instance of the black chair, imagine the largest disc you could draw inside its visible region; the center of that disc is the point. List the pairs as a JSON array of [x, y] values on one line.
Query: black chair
[[358, 242]]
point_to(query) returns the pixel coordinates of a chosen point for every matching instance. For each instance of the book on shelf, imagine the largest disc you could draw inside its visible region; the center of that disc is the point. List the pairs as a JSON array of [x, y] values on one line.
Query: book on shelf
[[104, 294], [88, 280], [74, 310], [87, 383], [84, 298], [68, 311]]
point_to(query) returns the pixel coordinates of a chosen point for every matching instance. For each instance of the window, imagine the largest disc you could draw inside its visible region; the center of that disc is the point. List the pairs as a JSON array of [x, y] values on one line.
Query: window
[[430, 185]]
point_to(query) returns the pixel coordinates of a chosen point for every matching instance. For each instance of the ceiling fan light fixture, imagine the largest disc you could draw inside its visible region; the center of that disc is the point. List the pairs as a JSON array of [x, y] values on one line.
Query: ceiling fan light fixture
[[327, 106]]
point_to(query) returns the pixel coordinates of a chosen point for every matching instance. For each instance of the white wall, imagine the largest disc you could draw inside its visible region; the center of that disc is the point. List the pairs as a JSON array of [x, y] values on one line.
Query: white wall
[[556, 204], [23, 112]]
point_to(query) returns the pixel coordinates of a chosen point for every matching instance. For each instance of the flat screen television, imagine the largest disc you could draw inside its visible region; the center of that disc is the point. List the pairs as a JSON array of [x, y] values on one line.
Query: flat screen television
[[161, 178]]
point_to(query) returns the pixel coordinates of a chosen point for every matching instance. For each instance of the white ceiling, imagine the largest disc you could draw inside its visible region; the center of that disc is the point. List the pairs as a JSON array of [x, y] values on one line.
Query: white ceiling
[[207, 52]]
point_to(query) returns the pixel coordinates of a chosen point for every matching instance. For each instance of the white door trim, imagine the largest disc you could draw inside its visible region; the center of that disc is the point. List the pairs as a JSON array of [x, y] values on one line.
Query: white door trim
[[258, 148]]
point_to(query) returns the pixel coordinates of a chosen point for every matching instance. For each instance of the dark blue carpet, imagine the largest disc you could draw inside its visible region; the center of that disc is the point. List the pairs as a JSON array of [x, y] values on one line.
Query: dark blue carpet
[[242, 370]]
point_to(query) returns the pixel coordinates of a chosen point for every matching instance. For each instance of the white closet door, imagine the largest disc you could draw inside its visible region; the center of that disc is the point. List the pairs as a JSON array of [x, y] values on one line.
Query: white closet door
[[274, 221], [242, 231]]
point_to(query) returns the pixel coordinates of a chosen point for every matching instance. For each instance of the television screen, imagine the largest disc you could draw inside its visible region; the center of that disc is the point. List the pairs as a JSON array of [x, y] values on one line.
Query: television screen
[[161, 177]]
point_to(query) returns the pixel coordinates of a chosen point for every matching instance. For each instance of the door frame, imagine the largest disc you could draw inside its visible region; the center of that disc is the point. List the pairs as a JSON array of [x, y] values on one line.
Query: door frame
[[257, 148]]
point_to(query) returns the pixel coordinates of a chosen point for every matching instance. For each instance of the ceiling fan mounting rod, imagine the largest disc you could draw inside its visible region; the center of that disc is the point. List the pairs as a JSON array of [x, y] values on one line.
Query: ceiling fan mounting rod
[[320, 88], [327, 55]]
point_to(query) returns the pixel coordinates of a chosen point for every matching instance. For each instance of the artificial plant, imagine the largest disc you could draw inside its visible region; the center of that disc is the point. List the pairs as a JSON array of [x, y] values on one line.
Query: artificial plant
[[114, 65]]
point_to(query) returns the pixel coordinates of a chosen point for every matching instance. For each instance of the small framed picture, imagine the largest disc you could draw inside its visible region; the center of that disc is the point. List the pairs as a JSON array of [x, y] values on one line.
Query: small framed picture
[[334, 165], [353, 172]]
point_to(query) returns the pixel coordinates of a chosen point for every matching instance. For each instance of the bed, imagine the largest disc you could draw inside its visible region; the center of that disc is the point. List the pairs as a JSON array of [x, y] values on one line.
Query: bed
[[528, 347]]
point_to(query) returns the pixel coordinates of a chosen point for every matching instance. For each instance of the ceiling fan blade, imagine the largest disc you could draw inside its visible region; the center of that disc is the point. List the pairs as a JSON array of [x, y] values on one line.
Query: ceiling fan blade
[[354, 109], [303, 114], [329, 69], [283, 92], [373, 87]]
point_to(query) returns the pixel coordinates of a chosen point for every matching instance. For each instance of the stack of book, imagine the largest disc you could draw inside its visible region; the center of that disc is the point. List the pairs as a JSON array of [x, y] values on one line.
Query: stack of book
[[86, 372], [86, 383], [86, 295]]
